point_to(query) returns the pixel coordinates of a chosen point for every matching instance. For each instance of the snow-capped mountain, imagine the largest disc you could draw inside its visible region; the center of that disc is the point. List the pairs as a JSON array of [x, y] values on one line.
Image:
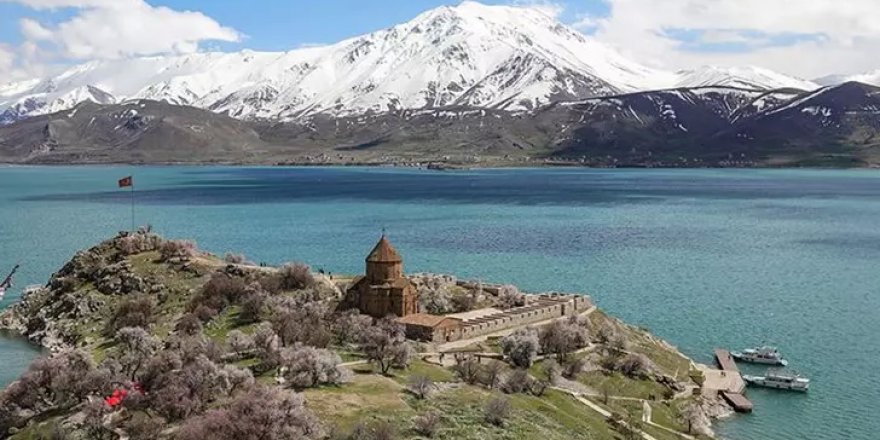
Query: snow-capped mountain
[[748, 77], [495, 57], [872, 78]]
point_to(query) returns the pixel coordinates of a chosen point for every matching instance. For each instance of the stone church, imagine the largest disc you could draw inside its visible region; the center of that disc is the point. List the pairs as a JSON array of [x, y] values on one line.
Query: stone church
[[383, 290]]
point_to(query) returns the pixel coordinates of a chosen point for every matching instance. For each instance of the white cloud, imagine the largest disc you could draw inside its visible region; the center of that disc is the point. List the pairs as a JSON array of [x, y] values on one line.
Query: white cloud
[[801, 37], [7, 58], [551, 8], [102, 29]]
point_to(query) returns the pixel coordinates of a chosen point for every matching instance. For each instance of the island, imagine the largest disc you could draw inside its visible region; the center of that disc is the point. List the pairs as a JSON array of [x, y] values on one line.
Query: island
[[148, 338]]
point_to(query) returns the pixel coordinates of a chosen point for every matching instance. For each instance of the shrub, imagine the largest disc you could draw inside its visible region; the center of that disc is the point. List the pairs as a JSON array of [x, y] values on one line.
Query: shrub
[[260, 414], [467, 368], [518, 381], [463, 303], [573, 368], [509, 297], [421, 386], [253, 306], [384, 430], [131, 312], [239, 342], [240, 259], [490, 374], [141, 426], [497, 411], [521, 347], [177, 249], [218, 293], [295, 276], [427, 424], [138, 243], [189, 324], [551, 370], [633, 365]]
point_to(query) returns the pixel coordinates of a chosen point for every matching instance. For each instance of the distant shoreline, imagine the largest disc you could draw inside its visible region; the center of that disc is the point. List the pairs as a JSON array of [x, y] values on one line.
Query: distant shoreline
[[428, 166]]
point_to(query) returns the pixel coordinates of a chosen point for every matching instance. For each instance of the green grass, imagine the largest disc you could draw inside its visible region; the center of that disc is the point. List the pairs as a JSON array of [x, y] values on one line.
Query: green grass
[[421, 368], [620, 385], [667, 359]]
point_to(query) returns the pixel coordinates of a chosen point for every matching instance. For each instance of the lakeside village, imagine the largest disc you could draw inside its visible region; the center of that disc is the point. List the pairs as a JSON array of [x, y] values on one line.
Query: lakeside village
[[153, 338]]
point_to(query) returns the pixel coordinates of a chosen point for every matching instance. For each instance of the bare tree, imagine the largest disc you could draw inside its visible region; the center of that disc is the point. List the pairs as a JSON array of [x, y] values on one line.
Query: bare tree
[[490, 374], [435, 300], [303, 323], [421, 386], [260, 414], [143, 426], [296, 276], [427, 424], [497, 411], [509, 297], [136, 347], [517, 381], [189, 324], [137, 311], [574, 367], [385, 344], [551, 370], [177, 250], [306, 367], [467, 368], [233, 258], [349, 326], [692, 415], [93, 420], [384, 430], [563, 337], [268, 346], [521, 347], [634, 365], [239, 342]]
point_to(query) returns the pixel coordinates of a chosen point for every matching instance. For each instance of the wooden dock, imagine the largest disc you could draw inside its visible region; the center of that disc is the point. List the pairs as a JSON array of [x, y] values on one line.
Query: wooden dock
[[738, 402], [725, 360], [733, 393]]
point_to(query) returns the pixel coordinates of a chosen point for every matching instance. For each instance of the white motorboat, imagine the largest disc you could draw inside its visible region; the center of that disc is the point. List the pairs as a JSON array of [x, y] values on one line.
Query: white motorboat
[[779, 380], [760, 355]]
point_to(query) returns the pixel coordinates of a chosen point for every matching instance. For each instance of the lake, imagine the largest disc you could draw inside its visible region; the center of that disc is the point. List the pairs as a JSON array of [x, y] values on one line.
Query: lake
[[702, 258]]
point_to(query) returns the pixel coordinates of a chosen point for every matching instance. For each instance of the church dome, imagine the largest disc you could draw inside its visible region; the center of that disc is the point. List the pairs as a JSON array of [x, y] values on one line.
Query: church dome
[[384, 252]]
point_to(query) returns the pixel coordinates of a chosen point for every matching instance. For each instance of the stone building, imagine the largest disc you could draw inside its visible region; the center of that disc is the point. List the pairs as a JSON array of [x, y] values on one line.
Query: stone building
[[383, 290], [431, 328]]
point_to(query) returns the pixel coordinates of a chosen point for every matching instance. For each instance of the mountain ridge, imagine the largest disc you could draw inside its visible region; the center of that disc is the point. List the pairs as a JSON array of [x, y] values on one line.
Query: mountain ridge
[[500, 57], [697, 127]]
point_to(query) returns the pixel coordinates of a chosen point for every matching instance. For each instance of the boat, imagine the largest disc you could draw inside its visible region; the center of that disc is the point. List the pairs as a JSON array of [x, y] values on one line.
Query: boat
[[7, 282], [761, 355], [779, 380]]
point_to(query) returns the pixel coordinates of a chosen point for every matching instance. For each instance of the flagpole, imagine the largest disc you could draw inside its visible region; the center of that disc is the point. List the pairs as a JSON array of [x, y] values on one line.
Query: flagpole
[[132, 206]]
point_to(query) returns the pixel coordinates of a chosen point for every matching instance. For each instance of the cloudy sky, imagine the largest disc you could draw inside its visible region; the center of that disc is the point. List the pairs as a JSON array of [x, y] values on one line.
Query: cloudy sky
[[805, 38]]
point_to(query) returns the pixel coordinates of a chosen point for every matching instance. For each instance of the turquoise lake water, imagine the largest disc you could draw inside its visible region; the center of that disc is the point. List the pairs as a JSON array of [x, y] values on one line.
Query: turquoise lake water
[[702, 258]]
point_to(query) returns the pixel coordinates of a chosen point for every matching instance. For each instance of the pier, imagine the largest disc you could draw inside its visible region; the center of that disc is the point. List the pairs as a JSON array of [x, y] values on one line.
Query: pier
[[730, 385]]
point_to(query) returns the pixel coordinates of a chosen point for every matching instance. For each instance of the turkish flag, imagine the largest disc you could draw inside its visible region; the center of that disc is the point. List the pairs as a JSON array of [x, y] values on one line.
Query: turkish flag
[[126, 182]]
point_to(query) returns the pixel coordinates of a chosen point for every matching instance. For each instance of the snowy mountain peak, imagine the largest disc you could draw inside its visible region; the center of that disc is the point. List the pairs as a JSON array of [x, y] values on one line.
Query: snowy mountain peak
[[501, 57], [746, 77]]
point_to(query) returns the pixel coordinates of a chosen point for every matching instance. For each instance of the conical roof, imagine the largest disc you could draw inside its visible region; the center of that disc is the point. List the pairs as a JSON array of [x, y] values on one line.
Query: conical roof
[[384, 252]]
